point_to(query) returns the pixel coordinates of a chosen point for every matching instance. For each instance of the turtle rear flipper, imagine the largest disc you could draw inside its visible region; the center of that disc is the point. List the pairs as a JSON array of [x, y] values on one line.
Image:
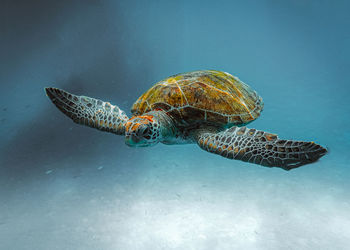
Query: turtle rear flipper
[[89, 111], [259, 147]]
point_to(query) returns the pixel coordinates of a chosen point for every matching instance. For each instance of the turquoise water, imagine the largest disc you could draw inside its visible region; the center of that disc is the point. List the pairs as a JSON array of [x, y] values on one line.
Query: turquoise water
[[65, 186]]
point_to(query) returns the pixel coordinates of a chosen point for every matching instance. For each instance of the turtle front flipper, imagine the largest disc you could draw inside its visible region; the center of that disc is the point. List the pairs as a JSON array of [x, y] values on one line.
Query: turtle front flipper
[[254, 146], [89, 111]]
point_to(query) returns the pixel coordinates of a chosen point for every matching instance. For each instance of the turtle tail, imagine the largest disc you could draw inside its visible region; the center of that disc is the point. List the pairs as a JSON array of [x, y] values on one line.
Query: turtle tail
[[89, 111]]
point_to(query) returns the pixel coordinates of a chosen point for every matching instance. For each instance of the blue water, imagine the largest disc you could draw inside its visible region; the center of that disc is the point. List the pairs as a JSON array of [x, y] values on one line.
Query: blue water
[[65, 186]]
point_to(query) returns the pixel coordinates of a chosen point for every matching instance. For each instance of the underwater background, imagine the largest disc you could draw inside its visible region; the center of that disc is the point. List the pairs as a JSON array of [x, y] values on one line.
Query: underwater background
[[66, 186]]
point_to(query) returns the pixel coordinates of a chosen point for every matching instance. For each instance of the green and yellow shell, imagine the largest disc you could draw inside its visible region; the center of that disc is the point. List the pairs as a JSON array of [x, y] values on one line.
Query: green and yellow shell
[[206, 96]]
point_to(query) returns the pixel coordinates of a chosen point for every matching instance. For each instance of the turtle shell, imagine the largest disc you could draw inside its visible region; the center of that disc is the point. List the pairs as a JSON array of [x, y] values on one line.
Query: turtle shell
[[206, 96]]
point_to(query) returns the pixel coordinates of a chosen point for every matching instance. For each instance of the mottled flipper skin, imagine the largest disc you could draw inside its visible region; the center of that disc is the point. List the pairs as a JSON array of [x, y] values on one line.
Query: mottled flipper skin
[[89, 111], [254, 146]]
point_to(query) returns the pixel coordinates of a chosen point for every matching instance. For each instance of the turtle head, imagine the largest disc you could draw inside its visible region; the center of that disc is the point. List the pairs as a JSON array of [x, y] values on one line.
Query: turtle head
[[142, 131]]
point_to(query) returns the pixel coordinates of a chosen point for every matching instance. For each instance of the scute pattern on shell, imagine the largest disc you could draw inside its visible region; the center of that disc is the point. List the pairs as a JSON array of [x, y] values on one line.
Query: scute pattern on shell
[[206, 96]]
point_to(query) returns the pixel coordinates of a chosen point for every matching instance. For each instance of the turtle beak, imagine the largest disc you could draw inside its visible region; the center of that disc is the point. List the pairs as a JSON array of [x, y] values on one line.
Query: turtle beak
[[131, 140], [134, 141]]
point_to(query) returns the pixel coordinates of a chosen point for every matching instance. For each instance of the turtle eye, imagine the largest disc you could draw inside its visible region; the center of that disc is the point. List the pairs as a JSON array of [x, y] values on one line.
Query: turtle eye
[[146, 131], [142, 131]]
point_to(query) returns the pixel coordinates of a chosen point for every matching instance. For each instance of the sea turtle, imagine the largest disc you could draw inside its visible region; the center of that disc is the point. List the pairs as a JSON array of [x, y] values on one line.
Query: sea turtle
[[207, 107]]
